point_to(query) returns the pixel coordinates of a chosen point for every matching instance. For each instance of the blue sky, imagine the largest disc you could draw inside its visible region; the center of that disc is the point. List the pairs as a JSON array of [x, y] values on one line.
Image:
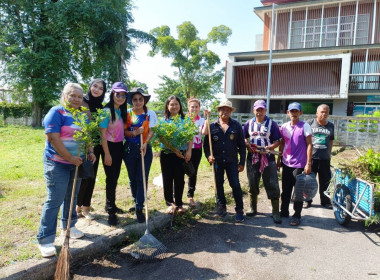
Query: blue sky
[[204, 14]]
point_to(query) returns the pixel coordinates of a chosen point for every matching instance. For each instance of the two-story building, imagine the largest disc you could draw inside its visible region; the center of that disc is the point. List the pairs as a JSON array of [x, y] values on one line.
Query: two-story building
[[323, 51]]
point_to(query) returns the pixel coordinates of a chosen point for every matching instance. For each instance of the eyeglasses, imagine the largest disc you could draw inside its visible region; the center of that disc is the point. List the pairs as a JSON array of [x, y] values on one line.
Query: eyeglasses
[[118, 95]]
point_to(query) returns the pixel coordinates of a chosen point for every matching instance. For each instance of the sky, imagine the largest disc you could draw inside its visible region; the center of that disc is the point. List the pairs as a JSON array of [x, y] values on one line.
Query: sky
[[238, 15]]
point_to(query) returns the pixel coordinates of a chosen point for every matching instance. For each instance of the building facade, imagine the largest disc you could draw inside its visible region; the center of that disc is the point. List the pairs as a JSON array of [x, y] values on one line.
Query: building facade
[[322, 52]]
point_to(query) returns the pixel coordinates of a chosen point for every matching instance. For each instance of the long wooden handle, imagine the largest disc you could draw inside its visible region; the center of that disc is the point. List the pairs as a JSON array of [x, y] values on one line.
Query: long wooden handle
[[144, 181], [211, 152], [72, 198]]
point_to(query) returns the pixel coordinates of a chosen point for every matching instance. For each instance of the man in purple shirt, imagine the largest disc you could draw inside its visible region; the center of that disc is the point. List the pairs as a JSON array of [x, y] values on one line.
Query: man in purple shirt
[[296, 147]]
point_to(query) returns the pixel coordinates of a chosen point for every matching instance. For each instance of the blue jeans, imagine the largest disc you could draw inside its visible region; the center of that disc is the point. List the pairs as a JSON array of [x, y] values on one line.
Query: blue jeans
[[132, 160], [59, 179], [233, 178]]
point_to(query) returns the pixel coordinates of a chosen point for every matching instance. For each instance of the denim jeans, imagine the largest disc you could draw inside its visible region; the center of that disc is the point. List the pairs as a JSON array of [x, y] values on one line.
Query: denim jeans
[[233, 178], [132, 160], [59, 179]]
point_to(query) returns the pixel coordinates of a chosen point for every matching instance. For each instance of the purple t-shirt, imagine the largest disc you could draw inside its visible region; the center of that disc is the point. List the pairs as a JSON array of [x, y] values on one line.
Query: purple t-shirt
[[295, 150], [59, 120]]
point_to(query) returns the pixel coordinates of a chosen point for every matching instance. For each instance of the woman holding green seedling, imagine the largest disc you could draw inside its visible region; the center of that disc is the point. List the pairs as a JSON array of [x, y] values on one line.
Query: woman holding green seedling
[[176, 148], [60, 161], [93, 101]]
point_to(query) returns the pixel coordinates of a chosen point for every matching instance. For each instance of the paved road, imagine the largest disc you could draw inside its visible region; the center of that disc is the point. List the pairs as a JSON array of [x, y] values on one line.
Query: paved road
[[256, 249]]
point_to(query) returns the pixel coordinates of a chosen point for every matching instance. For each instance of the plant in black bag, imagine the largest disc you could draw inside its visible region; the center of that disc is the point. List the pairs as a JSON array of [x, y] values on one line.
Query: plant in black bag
[[89, 135]]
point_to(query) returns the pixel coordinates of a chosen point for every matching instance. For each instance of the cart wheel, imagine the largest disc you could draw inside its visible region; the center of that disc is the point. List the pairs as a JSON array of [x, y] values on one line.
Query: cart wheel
[[342, 197]]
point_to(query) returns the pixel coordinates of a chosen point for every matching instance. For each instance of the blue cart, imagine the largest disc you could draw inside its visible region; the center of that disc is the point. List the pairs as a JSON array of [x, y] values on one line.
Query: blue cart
[[352, 198]]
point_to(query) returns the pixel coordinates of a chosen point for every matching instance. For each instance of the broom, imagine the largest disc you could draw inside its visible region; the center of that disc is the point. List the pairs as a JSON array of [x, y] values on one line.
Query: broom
[[62, 270], [147, 248], [211, 153]]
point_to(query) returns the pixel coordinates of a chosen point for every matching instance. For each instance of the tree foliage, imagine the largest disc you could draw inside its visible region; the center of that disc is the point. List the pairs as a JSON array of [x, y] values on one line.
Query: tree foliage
[[194, 62], [44, 44]]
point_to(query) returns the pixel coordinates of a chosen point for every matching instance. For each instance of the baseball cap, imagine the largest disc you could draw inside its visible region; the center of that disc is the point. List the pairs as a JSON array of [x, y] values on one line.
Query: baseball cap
[[259, 104], [119, 87], [294, 106]]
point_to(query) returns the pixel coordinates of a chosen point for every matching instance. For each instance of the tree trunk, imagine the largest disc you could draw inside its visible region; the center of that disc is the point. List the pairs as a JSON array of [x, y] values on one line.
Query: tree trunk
[[36, 114]]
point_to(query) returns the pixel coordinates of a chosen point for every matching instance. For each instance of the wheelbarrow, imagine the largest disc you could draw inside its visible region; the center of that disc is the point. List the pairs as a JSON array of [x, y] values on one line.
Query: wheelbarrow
[[352, 198]]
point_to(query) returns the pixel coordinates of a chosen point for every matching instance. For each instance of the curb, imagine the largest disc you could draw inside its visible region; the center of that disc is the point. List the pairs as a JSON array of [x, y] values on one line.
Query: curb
[[45, 268]]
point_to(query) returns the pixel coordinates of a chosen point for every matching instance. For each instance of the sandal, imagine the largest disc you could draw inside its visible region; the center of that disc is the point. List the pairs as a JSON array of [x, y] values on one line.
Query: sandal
[[181, 210], [170, 210], [192, 202], [295, 221]]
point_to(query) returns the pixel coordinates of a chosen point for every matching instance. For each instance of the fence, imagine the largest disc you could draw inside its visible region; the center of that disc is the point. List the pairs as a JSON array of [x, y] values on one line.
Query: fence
[[360, 132]]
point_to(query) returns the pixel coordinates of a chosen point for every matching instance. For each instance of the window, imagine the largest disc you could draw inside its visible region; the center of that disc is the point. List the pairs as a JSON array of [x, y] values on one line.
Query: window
[[329, 32]]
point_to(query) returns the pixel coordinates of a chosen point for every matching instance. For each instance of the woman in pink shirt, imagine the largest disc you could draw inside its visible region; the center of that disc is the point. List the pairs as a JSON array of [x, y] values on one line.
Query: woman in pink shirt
[[112, 128]]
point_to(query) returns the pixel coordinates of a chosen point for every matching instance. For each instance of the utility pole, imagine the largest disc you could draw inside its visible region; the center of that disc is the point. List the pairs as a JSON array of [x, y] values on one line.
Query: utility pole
[[270, 60]]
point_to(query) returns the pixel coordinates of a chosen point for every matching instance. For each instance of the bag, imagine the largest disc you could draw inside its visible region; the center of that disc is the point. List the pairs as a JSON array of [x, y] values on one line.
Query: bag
[[306, 187], [188, 168], [86, 170]]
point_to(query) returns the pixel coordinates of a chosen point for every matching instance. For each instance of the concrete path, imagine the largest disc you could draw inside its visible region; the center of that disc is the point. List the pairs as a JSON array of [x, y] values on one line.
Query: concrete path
[[257, 249]]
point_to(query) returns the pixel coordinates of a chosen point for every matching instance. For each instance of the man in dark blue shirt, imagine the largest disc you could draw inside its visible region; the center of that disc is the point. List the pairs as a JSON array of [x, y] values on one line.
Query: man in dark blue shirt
[[227, 142]]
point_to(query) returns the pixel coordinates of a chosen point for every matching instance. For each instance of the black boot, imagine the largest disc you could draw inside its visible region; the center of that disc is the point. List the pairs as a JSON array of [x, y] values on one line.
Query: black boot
[[253, 205], [276, 211], [140, 216]]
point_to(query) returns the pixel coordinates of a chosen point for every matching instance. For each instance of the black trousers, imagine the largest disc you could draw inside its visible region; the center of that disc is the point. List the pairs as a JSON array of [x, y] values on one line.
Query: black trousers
[[87, 185], [112, 174], [196, 155], [288, 181], [172, 176], [322, 167]]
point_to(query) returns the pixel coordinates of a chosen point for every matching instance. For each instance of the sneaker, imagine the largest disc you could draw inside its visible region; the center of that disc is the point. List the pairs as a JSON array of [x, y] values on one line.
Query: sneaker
[[277, 218], [239, 217], [113, 220], [74, 233], [47, 250], [294, 221], [87, 214], [140, 216], [221, 211]]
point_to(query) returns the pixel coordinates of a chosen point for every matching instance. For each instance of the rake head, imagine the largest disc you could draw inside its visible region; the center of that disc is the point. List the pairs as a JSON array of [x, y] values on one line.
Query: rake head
[[148, 248]]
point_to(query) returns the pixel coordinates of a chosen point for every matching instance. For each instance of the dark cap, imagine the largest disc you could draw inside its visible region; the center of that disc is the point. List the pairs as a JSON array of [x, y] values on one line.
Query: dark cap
[[119, 87]]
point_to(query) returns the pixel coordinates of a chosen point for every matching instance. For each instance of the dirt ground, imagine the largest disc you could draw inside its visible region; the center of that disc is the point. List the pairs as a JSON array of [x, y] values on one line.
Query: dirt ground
[[214, 248]]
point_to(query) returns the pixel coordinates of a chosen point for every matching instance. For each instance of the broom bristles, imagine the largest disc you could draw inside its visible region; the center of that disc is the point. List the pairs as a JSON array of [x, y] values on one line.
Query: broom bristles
[[62, 271]]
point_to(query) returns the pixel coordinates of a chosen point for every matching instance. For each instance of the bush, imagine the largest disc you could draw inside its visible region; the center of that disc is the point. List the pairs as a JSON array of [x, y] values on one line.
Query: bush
[[15, 110]]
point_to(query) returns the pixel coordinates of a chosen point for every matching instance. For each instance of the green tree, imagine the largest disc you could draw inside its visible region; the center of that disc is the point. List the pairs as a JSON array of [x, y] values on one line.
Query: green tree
[[44, 44], [194, 62]]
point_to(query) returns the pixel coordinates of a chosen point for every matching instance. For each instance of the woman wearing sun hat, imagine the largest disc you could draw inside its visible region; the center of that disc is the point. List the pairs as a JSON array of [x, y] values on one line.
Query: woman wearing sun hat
[[140, 120]]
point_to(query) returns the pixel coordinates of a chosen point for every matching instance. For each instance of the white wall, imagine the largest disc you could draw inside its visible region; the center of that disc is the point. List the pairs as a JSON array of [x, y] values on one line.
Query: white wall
[[340, 107]]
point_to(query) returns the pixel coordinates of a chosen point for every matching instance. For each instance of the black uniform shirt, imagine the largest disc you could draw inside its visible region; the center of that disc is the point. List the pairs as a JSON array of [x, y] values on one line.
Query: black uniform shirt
[[226, 145]]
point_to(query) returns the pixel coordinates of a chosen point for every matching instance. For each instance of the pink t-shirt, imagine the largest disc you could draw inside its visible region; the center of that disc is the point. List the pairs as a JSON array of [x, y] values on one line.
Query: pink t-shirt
[[197, 140], [295, 150], [115, 130]]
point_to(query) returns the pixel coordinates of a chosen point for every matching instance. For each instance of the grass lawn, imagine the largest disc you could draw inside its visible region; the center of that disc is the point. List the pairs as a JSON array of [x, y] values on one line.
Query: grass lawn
[[23, 191]]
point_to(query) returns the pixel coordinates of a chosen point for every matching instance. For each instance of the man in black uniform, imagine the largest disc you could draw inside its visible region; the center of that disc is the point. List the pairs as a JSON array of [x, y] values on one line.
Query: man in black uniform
[[227, 142]]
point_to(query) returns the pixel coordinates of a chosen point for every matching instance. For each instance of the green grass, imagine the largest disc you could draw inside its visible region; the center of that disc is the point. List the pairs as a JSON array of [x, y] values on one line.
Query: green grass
[[23, 192]]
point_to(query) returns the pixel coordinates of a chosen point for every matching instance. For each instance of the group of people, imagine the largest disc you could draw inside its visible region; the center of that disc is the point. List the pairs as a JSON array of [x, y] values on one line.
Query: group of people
[[304, 147], [126, 132]]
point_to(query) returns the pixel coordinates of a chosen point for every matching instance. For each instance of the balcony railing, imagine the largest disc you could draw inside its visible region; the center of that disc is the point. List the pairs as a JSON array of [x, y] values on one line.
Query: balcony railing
[[365, 81]]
